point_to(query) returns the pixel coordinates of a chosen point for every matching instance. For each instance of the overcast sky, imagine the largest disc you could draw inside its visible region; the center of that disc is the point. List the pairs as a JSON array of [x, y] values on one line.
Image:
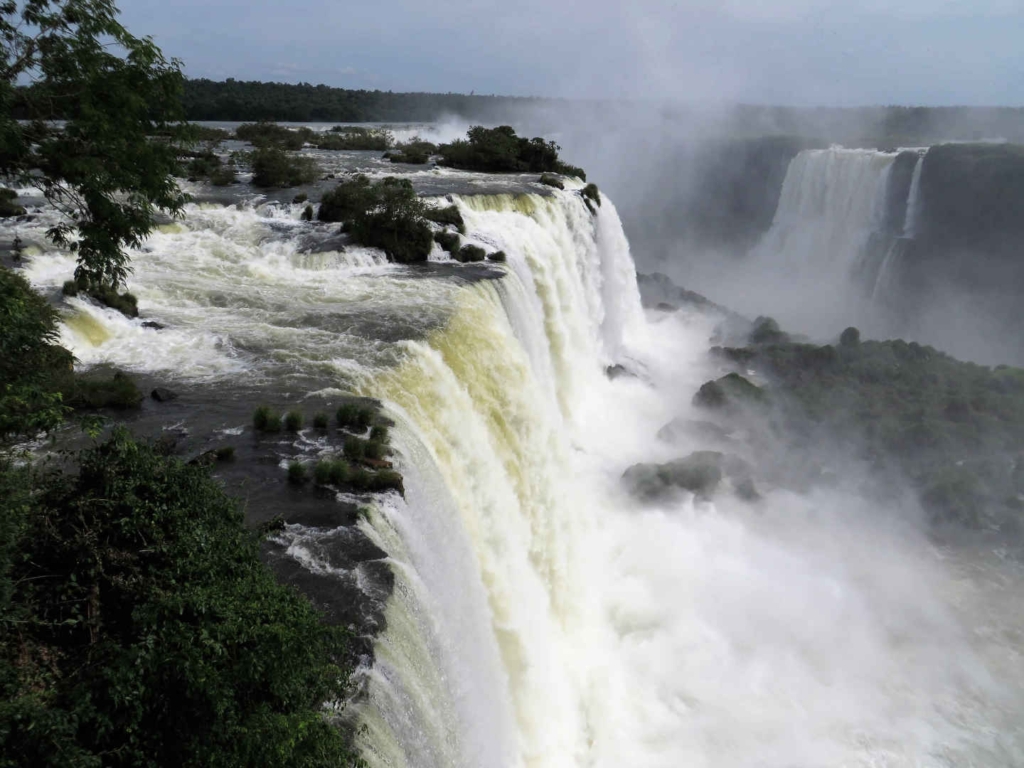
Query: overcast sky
[[834, 52]]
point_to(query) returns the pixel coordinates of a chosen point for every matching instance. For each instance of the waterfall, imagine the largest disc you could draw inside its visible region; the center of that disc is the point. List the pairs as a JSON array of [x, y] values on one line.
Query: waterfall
[[912, 221], [831, 202], [882, 287], [541, 618]]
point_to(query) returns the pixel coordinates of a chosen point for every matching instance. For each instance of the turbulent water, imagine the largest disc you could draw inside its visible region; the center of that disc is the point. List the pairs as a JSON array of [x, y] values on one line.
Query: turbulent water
[[540, 617]]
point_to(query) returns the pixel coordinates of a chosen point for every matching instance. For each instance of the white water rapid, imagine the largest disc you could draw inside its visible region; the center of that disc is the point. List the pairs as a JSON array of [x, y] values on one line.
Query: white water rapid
[[541, 618]]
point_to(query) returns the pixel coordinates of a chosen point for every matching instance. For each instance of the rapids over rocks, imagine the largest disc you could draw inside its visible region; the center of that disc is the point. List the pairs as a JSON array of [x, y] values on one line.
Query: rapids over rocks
[[540, 618]]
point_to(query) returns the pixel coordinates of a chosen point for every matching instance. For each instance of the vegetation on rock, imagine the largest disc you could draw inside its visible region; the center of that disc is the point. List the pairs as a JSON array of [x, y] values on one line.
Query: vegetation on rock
[[500, 150], [470, 253], [273, 167]]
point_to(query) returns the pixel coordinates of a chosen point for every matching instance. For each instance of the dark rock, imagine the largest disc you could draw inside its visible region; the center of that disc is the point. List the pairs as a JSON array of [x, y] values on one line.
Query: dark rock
[[498, 257], [163, 395], [700, 473], [728, 392], [746, 490], [470, 253], [154, 325], [702, 430], [664, 306], [616, 371]]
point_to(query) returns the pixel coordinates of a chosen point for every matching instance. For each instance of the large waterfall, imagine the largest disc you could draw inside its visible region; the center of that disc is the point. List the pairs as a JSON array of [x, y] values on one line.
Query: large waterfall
[[540, 617]]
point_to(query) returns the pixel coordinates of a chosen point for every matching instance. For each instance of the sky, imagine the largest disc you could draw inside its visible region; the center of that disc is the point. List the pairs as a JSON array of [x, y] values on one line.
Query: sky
[[797, 52]]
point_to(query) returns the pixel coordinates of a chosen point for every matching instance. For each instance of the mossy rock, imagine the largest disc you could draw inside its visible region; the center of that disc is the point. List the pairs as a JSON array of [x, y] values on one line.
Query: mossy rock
[[699, 473], [550, 180], [471, 253], [118, 392], [498, 257], [449, 241], [447, 216]]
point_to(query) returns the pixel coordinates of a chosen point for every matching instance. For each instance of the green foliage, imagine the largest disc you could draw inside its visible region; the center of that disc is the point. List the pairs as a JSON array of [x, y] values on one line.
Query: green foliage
[[347, 137], [550, 180], [355, 448], [265, 419], [273, 167], [293, 421], [497, 256], [347, 415], [591, 194], [320, 421], [766, 331], [119, 392], [729, 392], [500, 150], [447, 216], [470, 253], [203, 166], [224, 175], [271, 135], [339, 472], [307, 213], [300, 198], [138, 626], [225, 453], [379, 433], [409, 157], [911, 407], [70, 288], [387, 215], [449, 241], [71, 61], [34, 370], [296, 473], [375, 450]]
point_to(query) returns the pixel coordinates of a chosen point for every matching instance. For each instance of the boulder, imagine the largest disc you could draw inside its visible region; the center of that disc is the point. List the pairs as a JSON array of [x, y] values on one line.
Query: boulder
[[163, 395], [154, 325]]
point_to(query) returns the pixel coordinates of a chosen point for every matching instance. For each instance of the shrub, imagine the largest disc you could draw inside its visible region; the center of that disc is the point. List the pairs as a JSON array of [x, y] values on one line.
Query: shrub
[[70, 288], [355, 448], [364, 417], [119, 392], [271, 135], [224, 175], [296, 473], [272, 167], [225, 453], [591, 194], [497, 256], [307, 213], [320, 421], [766, 331], [144, 620], [447, 216], [379, 433], [449, 241], [470, 253], [347, 415], [293, 421], [266, 419], [409, 157], [125, 303], [322, 472], [339, 472], [375, 450], [346, 137], [347, 200], [360, 479], [203, 166], [551, 180]]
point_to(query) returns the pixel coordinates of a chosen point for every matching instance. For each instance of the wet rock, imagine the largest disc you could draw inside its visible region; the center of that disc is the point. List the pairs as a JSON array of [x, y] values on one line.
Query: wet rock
[[616, 371], [163, 395], [728, 392], [700, 473], [154, 325], [701, 430], [664, 306]]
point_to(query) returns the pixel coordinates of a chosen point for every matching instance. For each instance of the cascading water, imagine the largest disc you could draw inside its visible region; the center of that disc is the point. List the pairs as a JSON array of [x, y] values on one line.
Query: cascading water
[[883, 284], [540, 617]]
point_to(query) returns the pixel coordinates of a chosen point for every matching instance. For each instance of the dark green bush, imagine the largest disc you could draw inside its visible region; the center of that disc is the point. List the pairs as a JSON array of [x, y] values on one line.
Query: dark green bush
[[265, 419], [34, 370], [272, 167], [224, 175], [375, 450], [339, 472], [591, 194], [470, 253], [70, 288], [447, 216], [300, 198], [138, 622], [347, 415], [766, 331], [203, 166], [360, 479], [296, 473], [271, 135], [293, 421], [307, 213], [322, 472], [355, 448], [449, 241], [386, 480], [345, 137], [125, 303], [379, 433], [500, 150], [320, 421], [409, 157], [364, 417], [225, 453], [849, 338], [497, 256]]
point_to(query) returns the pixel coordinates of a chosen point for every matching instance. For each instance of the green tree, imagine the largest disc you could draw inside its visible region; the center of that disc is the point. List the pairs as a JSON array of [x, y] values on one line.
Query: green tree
[[138, 626], [71, 60], [34, 369]]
